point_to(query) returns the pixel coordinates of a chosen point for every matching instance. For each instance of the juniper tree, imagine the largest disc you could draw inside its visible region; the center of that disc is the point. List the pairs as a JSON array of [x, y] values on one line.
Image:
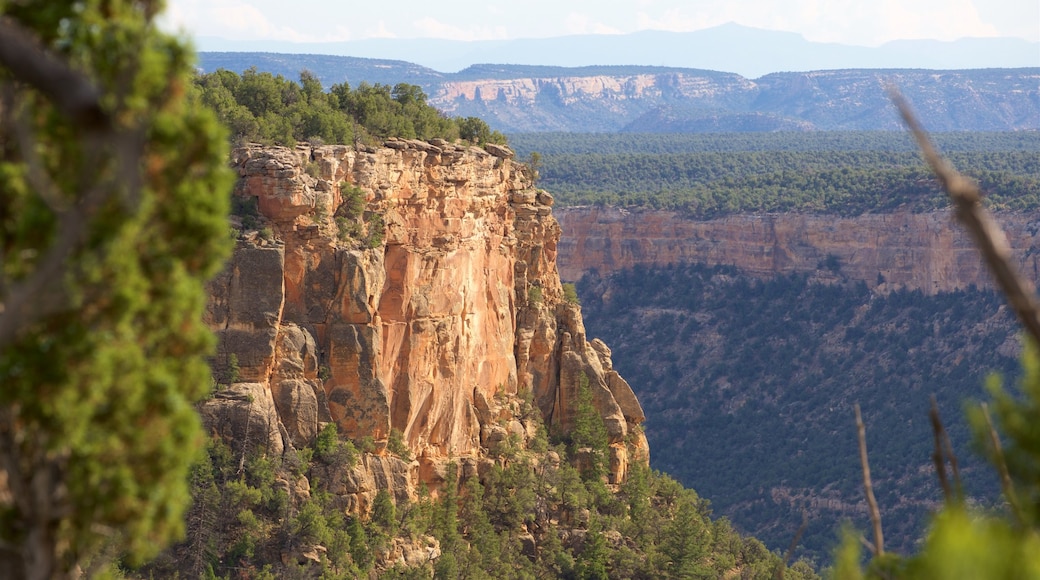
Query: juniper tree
[[113, 204]]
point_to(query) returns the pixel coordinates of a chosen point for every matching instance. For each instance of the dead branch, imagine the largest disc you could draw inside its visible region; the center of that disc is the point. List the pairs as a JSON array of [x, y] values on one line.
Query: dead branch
[[988, 236], [958, 490], [937, 455], [998, 459], [794, 544], [868, 488], [71, 92], [25, 302]]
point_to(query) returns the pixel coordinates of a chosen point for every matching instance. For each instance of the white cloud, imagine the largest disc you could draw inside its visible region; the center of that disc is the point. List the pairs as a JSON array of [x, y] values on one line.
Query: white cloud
[[868, 22], [234, 19], [947, 21]]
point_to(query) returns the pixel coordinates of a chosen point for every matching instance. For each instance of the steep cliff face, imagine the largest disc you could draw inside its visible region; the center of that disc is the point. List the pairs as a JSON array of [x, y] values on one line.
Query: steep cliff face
[[904, 250], [588, 102], [415, 315], [646, 99]]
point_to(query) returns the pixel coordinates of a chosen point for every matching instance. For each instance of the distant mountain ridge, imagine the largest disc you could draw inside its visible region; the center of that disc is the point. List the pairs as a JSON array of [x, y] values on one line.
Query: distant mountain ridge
[[750, 52], [650, 99]]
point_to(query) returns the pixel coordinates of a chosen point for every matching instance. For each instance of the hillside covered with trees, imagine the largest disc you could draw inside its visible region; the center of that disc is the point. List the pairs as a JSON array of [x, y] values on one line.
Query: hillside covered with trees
[[843, 173], [265, 108], [748, 386]]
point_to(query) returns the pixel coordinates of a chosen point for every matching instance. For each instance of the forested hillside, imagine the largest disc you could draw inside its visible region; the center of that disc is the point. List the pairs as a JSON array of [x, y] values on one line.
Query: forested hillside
[[267, 108], [844, 173], [749, 384], [534, 502]]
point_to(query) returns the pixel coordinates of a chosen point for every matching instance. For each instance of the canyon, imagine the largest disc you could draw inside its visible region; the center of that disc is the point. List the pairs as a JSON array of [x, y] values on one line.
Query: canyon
[[749, 337], [437, 332]]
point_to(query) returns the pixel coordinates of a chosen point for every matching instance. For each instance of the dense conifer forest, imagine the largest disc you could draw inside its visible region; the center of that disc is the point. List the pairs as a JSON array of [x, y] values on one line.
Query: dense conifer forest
[[649, 527], [748, 387], [262, 107], [844, 173]]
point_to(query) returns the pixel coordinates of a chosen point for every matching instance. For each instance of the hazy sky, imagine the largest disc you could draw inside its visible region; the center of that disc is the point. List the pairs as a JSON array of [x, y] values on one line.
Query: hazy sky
[[862, 22]]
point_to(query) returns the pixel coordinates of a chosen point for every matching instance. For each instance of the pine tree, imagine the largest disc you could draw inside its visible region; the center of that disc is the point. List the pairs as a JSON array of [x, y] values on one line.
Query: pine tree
[[113, 204], [589, 433]]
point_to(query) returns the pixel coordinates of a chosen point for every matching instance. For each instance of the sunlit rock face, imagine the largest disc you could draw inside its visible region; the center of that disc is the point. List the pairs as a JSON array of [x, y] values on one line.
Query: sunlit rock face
[[889, 251], [433, 322]]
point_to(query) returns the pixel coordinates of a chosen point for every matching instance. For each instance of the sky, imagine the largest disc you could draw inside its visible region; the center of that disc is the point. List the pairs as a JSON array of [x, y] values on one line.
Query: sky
[[856, 22]]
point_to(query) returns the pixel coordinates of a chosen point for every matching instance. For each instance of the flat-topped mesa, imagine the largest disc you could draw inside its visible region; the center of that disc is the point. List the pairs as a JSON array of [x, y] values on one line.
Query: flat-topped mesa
[[410, 287]]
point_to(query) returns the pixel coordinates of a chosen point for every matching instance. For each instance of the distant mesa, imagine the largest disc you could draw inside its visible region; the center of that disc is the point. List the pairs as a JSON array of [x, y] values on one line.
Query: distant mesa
[[655, 99]]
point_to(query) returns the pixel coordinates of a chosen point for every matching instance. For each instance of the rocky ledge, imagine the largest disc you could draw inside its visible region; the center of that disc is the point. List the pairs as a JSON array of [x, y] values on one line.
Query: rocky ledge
[[406, 291]]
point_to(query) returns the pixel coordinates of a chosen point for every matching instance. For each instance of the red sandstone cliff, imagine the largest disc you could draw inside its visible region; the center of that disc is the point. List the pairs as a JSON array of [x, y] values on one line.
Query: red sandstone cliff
[[897, 250], [434, 332]]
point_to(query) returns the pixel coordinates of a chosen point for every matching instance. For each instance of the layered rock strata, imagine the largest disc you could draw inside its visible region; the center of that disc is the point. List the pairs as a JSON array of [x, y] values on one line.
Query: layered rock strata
[[902, 250], [429, 315]]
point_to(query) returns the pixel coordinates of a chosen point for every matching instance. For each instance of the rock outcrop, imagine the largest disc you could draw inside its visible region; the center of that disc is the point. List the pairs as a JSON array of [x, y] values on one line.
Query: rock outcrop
[[661, 100], [903, 250], [427, 315]]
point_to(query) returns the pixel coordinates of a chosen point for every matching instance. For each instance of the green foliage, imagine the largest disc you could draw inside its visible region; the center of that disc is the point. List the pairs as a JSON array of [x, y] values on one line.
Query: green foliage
[[331, 450], [327, 442], [570, 294], [246, 208], [261, 107], [591, 563], [366, 444], [846, 173], [966, 543], [233, 370], [242, 522], [1018, 417], [534, 164], [384, 512], [312, 169], [589, 433], [534, 294], [376, 230], [353, 201], [131, 221], [476, 131], [395, 444], [353, 222]]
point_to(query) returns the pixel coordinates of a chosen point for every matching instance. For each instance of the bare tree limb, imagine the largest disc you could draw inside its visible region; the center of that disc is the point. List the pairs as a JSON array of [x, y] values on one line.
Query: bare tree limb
[[958, 490], [868, 488], [968, 208], [938, 457], [998, 458], [26, 301], [71, 92], [36, 174], [794, 544]]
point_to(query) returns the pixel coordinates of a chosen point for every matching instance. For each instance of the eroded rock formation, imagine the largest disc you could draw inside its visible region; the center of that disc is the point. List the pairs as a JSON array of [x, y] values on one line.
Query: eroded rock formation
[[431, 313], [902, 250]]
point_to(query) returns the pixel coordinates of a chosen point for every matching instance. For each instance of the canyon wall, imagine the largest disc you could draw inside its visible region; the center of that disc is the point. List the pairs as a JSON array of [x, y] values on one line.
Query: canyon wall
[[925, 251], [518, 99], [408, 290]]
